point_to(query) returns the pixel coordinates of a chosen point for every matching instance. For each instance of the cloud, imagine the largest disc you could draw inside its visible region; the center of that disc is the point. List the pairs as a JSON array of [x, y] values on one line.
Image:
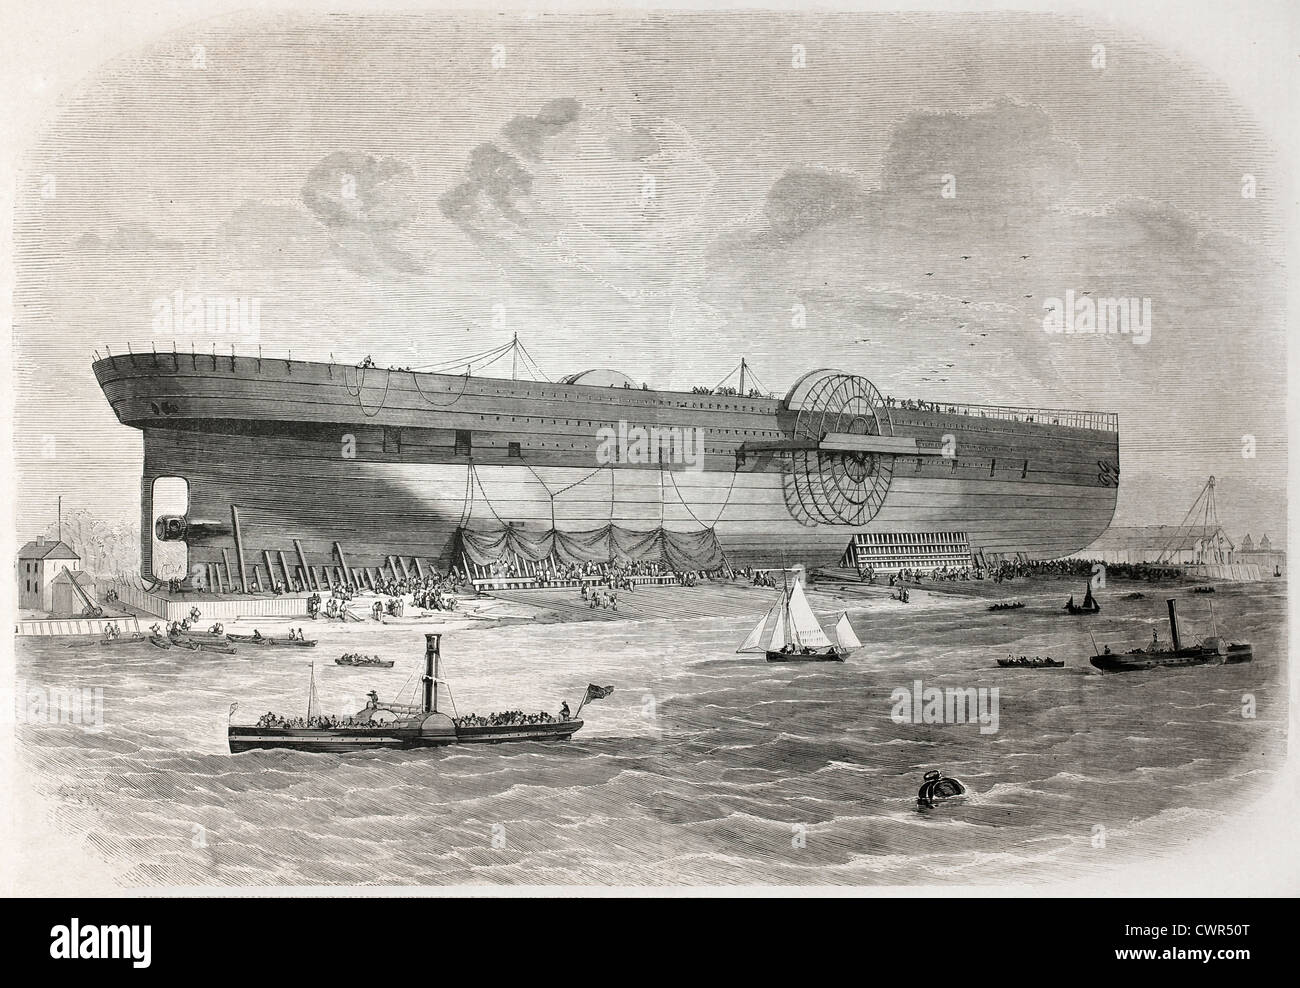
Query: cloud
[[495, 180], [366, 203], [587, 202], [888, 267], [529, 133], [1001, 156], [805, 198]]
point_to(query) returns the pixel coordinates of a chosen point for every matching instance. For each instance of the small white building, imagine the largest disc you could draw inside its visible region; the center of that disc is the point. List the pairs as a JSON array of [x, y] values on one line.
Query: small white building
[[39, 563]]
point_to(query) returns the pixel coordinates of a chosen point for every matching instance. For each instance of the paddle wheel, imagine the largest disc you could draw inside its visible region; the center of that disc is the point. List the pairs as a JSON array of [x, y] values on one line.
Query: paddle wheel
[[841, 461]]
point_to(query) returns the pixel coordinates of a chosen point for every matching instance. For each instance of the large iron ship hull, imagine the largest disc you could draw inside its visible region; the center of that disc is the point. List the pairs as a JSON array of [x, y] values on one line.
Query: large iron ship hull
[[343, 467]]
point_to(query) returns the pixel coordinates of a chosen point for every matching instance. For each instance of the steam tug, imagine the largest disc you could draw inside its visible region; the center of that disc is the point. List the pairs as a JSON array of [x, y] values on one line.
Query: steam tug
[[384, 724], [1209, 651]]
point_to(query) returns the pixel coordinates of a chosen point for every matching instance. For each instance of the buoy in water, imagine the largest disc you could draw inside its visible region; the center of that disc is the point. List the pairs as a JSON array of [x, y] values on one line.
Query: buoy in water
[[936, 789]]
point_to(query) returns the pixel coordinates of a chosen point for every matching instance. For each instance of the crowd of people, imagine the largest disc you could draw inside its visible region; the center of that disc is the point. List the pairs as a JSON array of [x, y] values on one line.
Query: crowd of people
[[1008, 570], [727, 391], [321, 722], [1085, 569], [509, 718], [916, 405], [599, 597], [430, 593]]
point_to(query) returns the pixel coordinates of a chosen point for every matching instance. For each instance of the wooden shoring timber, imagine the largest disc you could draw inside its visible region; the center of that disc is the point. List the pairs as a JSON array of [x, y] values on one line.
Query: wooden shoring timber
[[284, 568], [343, 561], [308, 577], [239, 548]]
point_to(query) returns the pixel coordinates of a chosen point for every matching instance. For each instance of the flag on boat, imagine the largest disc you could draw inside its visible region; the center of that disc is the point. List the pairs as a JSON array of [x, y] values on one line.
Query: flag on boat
[[595, 692]]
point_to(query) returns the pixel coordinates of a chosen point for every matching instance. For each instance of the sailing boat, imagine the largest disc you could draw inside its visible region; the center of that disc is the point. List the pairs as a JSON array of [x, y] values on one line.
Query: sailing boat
[[1089, 605], [797, 635]]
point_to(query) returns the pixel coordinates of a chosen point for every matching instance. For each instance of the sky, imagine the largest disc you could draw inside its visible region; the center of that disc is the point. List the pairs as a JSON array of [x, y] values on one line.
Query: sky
[[895, 196]]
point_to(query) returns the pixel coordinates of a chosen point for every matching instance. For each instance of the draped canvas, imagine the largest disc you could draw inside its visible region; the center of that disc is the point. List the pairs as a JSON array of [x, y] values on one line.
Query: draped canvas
[[677, 551]]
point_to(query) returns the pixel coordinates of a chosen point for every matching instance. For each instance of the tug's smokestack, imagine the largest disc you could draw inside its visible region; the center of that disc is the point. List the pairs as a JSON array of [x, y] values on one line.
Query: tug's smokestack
[[1173, 622], [432, 660]]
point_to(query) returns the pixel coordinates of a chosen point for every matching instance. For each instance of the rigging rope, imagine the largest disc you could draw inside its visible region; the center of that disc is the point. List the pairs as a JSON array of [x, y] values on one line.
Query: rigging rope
[[464, 385], [761, 387], [726, 501], [727, 378], [562, 490], [487, 500], [467, 499], [528, 357], [545, 488], [473, 358], [361, 383]]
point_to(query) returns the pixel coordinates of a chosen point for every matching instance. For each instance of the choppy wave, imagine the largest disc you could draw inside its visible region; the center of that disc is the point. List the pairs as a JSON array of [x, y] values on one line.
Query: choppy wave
[[703, 767]]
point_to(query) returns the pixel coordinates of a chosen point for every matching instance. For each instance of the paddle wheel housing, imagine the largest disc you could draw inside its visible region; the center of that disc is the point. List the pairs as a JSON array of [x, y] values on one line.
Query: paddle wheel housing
[[829, 486]]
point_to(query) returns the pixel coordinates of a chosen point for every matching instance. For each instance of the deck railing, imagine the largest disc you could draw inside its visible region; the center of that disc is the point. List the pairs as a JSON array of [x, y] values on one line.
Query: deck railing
[[1072, 417]]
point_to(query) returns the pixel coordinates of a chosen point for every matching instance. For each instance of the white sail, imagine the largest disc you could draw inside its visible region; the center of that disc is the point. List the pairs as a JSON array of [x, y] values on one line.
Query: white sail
[[778, 633], [806, 629], [844, 636], [754, 642]]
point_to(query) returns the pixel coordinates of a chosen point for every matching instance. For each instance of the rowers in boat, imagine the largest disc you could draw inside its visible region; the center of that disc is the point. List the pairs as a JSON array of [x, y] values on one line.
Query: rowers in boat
[[135, 638], [354, 659], [387, 724], [295, 640], [797, 635], [1024, 662]]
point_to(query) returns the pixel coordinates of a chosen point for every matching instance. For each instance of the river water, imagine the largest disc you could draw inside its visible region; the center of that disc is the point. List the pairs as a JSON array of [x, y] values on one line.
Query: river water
[[703, 767]]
